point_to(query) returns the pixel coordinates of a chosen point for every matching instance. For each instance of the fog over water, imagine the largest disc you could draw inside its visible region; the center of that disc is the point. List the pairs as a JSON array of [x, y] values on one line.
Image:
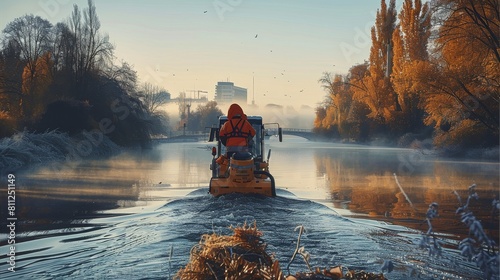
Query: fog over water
[[287, 116]]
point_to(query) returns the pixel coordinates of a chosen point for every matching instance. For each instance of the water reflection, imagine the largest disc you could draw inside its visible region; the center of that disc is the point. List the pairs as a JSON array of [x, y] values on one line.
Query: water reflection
[[66, 195], [186, 164], [364, 183], [62, 196]]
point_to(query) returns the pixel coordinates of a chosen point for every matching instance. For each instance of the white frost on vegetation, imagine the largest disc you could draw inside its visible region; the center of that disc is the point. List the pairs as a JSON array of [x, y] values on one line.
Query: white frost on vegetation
[[26, 149]]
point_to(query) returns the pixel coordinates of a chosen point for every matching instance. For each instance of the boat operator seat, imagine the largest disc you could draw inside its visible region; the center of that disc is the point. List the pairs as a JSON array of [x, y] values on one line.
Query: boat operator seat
[[242, 156]]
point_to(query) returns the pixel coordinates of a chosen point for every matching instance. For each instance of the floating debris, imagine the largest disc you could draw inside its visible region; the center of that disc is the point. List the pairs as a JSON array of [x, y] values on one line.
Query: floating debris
[[243, 256]]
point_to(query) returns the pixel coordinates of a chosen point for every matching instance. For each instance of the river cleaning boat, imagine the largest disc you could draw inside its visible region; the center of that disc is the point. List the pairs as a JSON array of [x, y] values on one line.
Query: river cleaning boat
[[242, 172]]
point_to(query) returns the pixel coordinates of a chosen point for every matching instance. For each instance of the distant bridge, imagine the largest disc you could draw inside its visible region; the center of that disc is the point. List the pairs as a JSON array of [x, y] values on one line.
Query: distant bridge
[[193, 136], [304, 133]]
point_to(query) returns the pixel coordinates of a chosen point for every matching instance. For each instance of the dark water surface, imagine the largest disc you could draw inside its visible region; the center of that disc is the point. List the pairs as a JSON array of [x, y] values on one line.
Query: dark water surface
[[121, 218]]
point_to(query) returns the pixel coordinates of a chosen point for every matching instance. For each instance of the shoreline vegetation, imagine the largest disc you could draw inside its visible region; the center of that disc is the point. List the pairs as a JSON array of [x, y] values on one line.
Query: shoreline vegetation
[[432, 73], [60, 89]]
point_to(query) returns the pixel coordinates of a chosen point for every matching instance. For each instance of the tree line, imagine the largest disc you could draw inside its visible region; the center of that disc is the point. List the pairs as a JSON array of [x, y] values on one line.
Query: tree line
[[63, 77], [433, 71], [200, 118]]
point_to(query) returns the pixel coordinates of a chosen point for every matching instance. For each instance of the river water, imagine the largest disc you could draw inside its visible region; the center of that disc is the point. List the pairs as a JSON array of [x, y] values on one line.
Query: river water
[[136, 216]]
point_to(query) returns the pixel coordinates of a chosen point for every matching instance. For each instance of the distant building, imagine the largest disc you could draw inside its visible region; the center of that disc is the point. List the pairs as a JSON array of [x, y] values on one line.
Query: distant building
[[227, 92]]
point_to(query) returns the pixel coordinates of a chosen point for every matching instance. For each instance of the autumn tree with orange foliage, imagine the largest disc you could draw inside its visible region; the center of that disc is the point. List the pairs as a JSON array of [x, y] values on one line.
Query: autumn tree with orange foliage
[[463, 80], [363, 102], [338, 102], [408, 87], [410, 40], [374, 88], [36, 86], [341, 116]]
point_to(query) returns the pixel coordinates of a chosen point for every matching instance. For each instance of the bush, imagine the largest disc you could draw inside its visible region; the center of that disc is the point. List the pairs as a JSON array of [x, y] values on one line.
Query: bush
[[465, 135]]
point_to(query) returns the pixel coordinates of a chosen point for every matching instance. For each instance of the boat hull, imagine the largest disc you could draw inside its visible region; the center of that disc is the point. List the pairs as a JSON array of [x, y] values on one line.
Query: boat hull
[[262, 184]]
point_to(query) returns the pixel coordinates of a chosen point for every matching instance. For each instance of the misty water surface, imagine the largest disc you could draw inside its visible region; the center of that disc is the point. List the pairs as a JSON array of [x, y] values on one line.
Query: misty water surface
[[121, 217]]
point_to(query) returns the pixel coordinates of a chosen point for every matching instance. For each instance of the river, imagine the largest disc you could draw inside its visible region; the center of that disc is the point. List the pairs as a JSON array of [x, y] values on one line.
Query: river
[[136, 216]]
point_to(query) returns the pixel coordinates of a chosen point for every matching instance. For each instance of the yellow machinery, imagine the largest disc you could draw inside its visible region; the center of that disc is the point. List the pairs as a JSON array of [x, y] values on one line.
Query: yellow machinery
[[242, 172]]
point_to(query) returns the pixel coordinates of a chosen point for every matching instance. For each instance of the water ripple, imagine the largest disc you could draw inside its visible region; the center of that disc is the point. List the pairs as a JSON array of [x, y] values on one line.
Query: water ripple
[[137, 246]]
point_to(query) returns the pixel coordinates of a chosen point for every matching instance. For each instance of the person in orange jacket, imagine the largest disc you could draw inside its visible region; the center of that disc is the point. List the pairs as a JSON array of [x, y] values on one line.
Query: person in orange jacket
[[236, 132]]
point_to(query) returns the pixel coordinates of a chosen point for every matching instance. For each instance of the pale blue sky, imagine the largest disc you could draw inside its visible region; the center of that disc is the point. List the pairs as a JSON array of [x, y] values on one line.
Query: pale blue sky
[[190, 45]]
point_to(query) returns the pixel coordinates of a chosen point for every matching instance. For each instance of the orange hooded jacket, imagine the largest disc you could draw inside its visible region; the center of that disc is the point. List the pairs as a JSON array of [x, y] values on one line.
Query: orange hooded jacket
[[236, 131]]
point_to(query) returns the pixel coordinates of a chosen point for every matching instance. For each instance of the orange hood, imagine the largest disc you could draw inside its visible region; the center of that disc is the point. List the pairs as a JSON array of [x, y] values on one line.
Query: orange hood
[[234, 110]]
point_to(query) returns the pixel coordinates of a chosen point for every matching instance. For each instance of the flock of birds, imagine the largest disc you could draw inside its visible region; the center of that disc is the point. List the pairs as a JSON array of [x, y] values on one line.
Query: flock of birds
[[282, 73]]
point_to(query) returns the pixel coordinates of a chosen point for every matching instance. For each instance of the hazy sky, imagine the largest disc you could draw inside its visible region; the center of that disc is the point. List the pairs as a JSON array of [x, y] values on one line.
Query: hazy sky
[[184, 45]]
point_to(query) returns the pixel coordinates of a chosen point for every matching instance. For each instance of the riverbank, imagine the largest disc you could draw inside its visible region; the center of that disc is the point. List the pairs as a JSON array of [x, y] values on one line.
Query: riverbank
[[29, 150], [426, 146]]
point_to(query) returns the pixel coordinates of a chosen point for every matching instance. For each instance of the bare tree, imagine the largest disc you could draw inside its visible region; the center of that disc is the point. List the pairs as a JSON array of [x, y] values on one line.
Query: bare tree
[[75, 28], [63, 48], [98, 48], [153, 97], [32, 35], [124, 75], [91, 50]]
